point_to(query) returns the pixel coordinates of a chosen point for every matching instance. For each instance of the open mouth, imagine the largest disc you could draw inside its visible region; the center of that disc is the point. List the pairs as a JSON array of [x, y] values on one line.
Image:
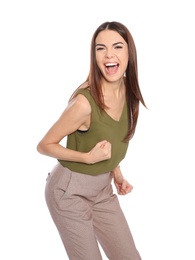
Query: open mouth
[[111, 68]]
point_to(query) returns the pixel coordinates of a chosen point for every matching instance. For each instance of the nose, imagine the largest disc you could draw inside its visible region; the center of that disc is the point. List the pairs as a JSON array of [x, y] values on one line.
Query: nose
[[109, 53]]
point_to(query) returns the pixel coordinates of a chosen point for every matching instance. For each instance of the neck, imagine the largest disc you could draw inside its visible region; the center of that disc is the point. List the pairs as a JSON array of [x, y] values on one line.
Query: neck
[[115, 89]]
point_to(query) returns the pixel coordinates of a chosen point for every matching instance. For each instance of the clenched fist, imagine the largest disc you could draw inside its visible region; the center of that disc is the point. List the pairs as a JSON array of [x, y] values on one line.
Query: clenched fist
[[100, 152]]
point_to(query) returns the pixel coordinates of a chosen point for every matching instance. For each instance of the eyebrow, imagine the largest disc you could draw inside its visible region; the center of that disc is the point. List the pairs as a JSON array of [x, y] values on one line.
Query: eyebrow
[[99, 44]]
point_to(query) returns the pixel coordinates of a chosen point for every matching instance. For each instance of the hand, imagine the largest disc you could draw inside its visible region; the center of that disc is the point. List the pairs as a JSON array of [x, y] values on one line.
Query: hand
[[122, 185], [101, 152]]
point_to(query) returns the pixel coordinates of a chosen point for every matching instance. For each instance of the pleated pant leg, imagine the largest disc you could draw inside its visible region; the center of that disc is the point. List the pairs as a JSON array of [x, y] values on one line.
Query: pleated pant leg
[[85, 210]]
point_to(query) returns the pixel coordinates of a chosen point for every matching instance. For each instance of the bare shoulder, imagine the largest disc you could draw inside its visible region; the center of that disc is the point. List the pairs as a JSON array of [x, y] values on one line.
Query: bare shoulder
[[81, 104]]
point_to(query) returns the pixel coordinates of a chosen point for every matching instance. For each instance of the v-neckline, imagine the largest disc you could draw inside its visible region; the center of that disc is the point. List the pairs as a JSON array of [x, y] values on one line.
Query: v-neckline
[[117, 121]]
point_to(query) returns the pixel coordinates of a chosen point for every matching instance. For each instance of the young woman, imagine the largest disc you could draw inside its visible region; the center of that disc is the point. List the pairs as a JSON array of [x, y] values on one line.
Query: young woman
[[98, 122]]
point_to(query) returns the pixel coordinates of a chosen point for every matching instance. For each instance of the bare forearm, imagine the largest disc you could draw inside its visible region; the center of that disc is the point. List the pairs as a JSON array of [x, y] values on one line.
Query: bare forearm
[[100, 152], [122, 185], [59, 152], [116, 173]]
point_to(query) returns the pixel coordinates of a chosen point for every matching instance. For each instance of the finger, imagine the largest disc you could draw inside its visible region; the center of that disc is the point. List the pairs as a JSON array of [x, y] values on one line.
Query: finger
[[103, 143]]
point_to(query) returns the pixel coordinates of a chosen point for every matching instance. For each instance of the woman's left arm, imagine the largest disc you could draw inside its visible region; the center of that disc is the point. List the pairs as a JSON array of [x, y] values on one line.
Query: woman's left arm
[[122, 185]]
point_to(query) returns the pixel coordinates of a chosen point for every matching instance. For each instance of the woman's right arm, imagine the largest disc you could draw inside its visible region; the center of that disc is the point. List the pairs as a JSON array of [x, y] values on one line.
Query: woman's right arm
[[75, 116]]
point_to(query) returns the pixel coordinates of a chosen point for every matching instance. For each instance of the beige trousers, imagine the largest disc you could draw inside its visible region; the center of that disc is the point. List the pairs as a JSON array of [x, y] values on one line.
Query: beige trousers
[[85, 210]]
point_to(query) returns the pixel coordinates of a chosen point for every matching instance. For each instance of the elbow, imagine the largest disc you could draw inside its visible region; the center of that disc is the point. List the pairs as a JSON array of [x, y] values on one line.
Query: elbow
[[39, 148]]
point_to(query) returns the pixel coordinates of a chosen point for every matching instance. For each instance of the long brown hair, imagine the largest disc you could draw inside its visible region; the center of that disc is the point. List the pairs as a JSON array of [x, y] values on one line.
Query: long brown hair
[[133, 93]]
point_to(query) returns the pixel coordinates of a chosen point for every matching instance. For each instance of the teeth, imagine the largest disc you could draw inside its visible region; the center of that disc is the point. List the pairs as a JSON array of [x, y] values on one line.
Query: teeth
[[111, 64]]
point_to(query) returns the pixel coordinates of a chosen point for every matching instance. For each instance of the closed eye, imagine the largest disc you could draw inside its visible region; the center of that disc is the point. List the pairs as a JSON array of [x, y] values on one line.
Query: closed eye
[[100, 48], [118, 47]]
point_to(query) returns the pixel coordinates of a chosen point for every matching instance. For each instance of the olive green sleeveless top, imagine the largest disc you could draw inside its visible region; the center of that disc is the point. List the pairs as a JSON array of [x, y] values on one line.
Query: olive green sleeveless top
[[102, 127]]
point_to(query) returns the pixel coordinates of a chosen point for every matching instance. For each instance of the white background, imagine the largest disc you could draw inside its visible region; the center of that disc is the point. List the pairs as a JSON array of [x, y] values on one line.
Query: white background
[[44, 56]]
